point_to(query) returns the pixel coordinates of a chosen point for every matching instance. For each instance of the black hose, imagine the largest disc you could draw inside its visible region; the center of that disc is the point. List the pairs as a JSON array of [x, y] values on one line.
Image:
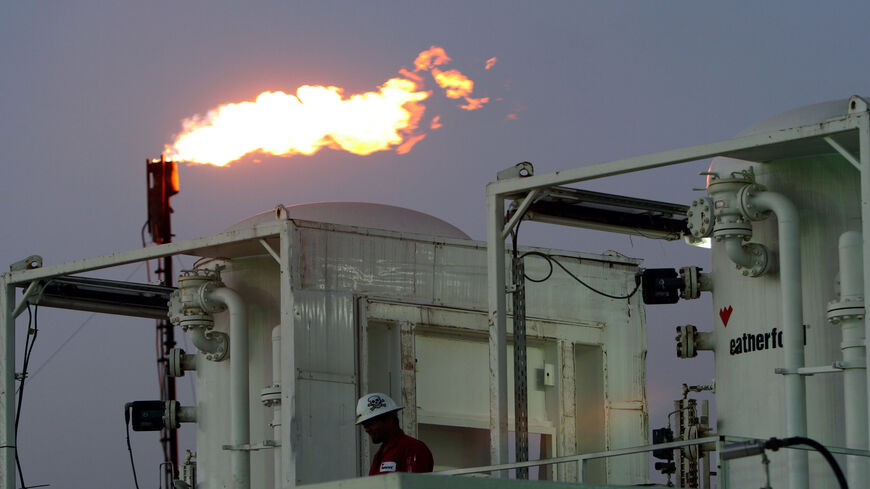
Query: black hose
[[776, 443], [127, 408]]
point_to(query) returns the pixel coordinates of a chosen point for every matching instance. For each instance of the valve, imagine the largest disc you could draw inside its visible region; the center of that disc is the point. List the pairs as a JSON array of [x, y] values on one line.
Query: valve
[[667, 286], [156, 415], [180, 362], [191, 309]]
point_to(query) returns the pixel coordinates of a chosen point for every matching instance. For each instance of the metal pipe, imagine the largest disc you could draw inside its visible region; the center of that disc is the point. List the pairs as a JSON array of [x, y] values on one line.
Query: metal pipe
[[737, 251], [276, 409], [240, 428], [788, 225], [854, 353], [207, 341]]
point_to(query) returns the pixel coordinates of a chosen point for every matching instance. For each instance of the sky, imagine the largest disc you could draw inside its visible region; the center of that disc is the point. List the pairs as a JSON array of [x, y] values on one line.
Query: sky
[[91, 89]]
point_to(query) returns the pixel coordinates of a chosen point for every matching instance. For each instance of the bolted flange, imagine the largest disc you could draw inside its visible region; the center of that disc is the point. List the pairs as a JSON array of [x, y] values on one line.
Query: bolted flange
[[700, 217], [744, 197], [758, 252], [845, 309]]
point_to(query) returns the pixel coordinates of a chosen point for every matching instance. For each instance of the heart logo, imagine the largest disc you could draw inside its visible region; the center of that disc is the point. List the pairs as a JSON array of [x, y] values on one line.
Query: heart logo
[[725, 315]]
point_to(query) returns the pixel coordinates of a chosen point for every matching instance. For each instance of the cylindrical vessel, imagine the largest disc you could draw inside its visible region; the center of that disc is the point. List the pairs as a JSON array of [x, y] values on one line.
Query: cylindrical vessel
[[750, 396], [256, 280]]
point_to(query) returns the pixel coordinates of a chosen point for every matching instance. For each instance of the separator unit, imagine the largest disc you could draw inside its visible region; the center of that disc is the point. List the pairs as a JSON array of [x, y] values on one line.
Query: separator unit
[[786, 205]]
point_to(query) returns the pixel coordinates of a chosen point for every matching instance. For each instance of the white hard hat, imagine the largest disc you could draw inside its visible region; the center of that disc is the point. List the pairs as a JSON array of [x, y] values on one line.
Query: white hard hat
[[373, 405]]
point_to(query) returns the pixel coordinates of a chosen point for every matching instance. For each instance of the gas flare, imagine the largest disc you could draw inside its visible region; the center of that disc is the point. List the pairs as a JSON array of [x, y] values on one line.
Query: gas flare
[[317, 116]]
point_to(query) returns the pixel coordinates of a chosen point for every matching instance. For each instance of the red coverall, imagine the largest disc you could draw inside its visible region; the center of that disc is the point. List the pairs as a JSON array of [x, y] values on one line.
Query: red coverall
[[402, 454]]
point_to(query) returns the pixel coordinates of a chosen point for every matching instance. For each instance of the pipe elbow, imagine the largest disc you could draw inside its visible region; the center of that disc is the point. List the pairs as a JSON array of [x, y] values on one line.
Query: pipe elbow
[[786, 212], [212, 343], [228, 297], [737, 252], [751, 258]]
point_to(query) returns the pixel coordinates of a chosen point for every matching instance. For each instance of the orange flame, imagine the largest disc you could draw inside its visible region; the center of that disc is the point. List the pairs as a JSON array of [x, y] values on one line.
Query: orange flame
[[316, 116], [431, 58], [490, 62], [457, 85]]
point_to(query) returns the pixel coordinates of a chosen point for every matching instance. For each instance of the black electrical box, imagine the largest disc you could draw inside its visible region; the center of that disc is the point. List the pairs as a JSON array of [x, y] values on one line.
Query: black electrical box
[[663, 435], [661, 286], [147, 415]]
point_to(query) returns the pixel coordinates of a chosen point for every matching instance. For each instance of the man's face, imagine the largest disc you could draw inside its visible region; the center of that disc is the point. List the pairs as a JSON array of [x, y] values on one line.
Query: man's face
[[377, 428]]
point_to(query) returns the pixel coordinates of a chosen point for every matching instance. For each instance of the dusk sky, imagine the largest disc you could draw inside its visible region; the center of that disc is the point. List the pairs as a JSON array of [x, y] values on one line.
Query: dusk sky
[[90, 89]]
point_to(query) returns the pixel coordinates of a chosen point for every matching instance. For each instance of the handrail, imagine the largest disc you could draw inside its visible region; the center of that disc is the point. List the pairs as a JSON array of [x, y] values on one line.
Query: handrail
[[581, 458]]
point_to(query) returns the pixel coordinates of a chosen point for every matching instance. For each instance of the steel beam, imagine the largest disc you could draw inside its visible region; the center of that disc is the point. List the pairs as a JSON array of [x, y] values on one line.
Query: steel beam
[[497, 317], [189, 246], [757, 147], [864, 158], [7, 374], [289, 426]]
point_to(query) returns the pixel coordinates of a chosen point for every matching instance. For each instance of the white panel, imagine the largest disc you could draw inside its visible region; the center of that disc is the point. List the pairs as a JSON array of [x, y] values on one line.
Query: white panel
[[325, 333], [326, 389], [453, 382], [624, 426], [327, 434]]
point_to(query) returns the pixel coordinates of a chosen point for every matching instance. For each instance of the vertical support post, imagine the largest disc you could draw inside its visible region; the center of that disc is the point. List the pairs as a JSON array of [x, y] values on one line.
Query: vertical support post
[[581, 469], [567, 435], [495, 261], [7, 395], [409, 377], [521, 389], [364, 453], [723, 469], [864, 157], [289, 424]]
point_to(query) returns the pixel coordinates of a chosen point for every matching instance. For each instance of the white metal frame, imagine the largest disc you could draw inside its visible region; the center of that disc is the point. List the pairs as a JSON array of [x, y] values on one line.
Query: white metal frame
[[207, 246], [853, 127]]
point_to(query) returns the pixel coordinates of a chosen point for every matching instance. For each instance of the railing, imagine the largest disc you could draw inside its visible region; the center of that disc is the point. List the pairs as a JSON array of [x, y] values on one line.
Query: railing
[[723, 464], [581, 459]]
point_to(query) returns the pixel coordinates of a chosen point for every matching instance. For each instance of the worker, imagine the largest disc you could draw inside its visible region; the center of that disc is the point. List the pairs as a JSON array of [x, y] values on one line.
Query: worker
[[378, 415]]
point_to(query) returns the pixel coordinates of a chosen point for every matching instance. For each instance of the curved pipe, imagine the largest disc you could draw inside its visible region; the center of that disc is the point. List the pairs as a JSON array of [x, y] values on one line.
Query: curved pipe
[[207, 341], [737, 251], [240, 431], [788, 225]]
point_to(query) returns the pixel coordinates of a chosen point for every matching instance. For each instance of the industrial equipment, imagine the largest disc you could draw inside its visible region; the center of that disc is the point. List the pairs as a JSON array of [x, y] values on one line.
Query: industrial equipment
[[297, 311]]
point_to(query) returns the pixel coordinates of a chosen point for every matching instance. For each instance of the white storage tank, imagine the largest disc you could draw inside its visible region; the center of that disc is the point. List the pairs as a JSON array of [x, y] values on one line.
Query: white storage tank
[[385, 299], [750, 396]]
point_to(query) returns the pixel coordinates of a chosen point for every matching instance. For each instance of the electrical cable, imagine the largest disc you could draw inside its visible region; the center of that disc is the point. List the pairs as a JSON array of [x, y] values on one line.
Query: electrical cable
[[777, 443], [28, 347], [127, 408], [552, 259], [147, 262]]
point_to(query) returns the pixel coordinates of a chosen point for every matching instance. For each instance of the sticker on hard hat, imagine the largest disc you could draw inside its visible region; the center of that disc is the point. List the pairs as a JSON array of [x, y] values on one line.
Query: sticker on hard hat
[[388, 466], [376, 402]]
